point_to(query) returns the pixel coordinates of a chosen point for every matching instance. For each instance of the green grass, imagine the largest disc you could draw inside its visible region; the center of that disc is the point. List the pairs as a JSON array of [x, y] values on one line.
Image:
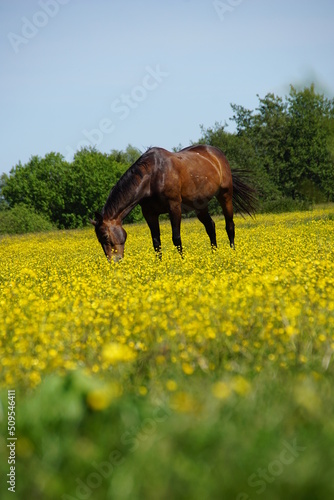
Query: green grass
[[276, 442]]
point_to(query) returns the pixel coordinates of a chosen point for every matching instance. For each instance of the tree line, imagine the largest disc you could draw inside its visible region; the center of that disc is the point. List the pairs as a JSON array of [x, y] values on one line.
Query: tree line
[[286, 144]]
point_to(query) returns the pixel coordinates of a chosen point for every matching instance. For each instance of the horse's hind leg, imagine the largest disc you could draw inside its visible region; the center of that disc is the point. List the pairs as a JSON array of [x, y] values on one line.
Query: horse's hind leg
[[175, 219], [209, 225], [225, 201]]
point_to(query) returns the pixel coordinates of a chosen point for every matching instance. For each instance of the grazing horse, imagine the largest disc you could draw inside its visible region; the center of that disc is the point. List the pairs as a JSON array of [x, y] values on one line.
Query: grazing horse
[[164, 182]]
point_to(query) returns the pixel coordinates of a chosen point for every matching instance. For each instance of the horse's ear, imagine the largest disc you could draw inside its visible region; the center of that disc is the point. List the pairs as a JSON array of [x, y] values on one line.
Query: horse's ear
[[98, 217]]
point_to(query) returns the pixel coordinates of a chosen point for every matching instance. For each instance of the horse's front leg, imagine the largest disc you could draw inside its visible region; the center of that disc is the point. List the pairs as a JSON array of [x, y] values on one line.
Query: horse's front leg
[[175, 219], [153, 223]]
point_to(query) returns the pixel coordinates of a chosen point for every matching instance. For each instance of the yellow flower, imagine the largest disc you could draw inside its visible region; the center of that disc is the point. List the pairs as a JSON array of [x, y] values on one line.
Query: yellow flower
[[34, 378], [187, 368], [99, 399], [183, 402], [171, 385], [240, 385], [221, 390], [160, 359], [114, 353]]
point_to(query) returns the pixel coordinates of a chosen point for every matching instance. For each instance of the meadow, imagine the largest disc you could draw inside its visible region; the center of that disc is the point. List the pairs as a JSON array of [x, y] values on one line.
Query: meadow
[[209, 377]]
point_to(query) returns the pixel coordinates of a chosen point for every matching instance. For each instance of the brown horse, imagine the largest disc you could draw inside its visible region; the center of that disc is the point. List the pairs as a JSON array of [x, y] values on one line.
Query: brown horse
[[164, 182]]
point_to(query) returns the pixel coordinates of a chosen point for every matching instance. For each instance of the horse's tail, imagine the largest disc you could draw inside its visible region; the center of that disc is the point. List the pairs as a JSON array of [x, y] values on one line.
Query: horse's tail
[[244, 195]]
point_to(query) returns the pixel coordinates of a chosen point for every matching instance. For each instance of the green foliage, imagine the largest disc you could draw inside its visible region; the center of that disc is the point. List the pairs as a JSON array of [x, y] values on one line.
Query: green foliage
[[308, 156], [284, 204], [37, 184], [293, 140], [86, 186], [22, 219], [66, 193]]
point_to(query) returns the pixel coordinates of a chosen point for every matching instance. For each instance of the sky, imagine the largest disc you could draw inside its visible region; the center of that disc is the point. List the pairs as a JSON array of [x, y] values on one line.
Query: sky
[[77, 73]]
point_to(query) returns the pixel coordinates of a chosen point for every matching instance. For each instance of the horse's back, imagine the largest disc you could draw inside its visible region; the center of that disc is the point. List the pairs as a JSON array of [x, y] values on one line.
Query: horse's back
[[195, 172], [208, 163]]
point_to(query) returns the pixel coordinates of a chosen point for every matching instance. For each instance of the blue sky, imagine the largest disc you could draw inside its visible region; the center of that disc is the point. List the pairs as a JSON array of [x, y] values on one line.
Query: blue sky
[[146, 72]]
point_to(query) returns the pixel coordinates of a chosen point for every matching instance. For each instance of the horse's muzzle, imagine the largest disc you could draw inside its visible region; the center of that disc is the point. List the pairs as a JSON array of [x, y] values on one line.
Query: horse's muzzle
[[116, 257]]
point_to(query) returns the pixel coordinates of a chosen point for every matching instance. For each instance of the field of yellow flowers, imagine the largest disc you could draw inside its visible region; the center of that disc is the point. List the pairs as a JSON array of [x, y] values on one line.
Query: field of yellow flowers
[[207, 377]]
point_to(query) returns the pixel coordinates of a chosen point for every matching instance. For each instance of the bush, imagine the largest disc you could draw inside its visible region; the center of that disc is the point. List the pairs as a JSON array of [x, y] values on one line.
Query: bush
[[282, 205], [22, 219]]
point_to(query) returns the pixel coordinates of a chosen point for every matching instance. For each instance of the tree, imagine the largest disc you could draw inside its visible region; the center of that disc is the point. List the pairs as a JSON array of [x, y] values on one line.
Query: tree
[[241, 153], [292, 138], [266, 129], [66, 193], [309, 167], [38, 185], [89, 179]]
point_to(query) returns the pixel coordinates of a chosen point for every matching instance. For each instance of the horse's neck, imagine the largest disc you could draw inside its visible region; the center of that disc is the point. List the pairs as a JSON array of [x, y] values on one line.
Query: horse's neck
[[126, 194]]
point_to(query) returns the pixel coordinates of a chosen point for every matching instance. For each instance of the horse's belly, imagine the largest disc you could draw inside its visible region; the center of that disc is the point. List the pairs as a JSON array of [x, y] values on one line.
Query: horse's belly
[[157, 204], [197, 204], [199, 188]]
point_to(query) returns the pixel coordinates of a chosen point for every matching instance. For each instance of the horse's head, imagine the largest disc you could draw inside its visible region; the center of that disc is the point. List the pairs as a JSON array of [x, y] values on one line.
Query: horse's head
[[111, 235]]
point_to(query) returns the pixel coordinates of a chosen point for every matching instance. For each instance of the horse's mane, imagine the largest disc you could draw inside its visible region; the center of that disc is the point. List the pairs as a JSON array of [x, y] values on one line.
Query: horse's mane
[[121, 193]]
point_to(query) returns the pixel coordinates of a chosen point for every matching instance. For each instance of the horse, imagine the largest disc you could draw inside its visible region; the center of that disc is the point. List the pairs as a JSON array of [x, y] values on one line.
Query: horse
[[162, 182]]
